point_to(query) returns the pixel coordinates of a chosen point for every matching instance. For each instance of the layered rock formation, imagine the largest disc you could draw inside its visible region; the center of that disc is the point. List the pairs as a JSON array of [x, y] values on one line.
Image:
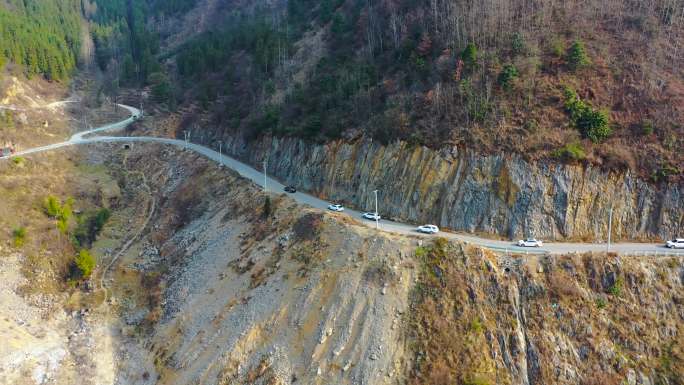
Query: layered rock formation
[[460, 190]]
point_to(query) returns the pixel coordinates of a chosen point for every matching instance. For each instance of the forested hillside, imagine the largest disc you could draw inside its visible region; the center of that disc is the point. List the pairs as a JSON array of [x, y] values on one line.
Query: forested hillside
[[43, 37], [575, 81], [572, 81]]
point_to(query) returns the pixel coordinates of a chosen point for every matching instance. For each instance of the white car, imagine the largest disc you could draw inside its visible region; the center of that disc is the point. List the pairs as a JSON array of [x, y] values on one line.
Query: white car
[[677, 243], [428, 229], [337, 208], [371, 216], [530, 242]]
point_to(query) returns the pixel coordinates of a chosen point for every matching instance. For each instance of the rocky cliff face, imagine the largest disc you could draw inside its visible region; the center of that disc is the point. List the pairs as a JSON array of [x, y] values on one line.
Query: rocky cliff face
[[499, 194]]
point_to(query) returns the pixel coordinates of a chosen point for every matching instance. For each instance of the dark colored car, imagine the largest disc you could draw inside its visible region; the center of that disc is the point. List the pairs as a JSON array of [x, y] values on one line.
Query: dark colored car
[[290, 189]]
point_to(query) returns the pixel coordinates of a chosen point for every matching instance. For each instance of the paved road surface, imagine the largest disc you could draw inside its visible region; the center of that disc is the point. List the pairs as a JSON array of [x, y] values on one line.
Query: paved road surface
[[273, 185]]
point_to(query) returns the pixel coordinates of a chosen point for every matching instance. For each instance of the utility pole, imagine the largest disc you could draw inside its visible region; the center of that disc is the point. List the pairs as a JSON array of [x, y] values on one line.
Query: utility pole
[[265, 177], [220, 153], [377, 219], [610, 226]]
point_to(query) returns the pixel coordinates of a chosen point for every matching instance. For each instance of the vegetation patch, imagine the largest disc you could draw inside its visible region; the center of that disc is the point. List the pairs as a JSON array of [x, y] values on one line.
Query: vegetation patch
[[570, 152], [308, 227], [446, 333], [19, 236], [592, 123]]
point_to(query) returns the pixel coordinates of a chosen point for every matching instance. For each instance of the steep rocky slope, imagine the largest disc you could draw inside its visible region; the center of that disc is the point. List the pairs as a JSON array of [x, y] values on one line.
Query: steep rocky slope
[[244, 289], [499, 194], [228, 285], [581, 319]]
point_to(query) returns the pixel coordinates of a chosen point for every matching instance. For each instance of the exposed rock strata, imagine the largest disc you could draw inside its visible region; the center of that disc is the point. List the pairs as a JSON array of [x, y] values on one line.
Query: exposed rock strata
[[500, 194]]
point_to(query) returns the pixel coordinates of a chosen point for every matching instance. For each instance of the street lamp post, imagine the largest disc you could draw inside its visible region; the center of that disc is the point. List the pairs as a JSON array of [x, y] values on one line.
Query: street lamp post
[[377, 219], [610, 227], [265, 177], [220, 153]]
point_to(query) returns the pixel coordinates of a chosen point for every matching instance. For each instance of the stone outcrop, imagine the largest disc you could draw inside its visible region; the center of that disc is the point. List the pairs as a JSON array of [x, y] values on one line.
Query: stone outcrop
[[501, 194]]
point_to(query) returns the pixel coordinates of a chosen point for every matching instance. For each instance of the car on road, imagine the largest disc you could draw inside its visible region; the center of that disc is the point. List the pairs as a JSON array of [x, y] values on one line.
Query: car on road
[[290, 189], [371, 216], [530, 242], [677, 243], [428, 229], [335, 207]]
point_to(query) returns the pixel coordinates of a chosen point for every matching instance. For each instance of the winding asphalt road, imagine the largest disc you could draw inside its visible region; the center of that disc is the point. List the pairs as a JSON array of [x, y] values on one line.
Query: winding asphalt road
[[85, 137]]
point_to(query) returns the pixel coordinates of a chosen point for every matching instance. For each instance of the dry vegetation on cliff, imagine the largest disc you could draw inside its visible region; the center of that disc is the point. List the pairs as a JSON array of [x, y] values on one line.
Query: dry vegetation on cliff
[[481, 319]]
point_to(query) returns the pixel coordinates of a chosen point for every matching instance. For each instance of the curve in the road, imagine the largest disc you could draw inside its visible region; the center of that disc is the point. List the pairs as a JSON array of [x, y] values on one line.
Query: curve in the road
[[273, 185]]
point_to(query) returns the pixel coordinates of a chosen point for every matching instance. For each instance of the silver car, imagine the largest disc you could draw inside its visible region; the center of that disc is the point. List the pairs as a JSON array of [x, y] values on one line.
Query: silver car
[[428, 229], [530, 242], [677, 243]]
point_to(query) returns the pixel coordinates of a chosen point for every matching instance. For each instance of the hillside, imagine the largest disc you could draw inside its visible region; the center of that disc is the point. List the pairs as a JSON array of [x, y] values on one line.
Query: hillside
[[581, 82], [228, 285]]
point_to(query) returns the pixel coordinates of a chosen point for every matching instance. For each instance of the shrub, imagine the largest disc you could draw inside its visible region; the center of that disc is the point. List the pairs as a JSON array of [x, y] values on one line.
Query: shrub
[[18, 160], [570, 152], [267, 210], [476, 325], [19, 235], [592, 123], [469, 55], [616, 289], [90, 226], [518, 44], [665, 172], [557, 47], [507, 76], [601, 303], [85, 263], [421, 251], [647, 127], [577, 55], [52, 206]]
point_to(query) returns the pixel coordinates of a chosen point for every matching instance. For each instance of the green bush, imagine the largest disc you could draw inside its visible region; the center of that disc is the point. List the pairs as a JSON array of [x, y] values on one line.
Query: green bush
[[647, 127], [89, 226], [601, 303], [476, 325], [469, 55], [592, 123], [52, 206], [616, 289], [85, 263], [19, 235], [558, 47], [421, 251], [665, 172], [61, 212], [18, 160], [570, 152], [577, 55], [518, 44], [507, 76]]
